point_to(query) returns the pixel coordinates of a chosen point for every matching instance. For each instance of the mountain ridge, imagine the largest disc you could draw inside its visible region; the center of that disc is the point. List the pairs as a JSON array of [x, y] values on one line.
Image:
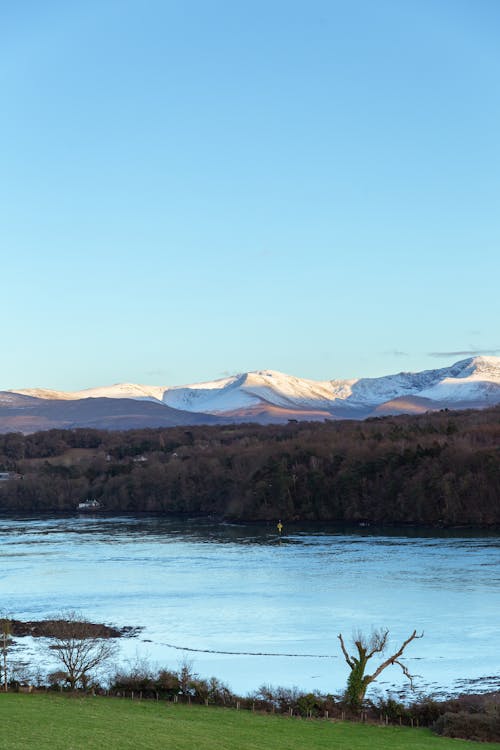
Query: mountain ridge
[[268, 396]]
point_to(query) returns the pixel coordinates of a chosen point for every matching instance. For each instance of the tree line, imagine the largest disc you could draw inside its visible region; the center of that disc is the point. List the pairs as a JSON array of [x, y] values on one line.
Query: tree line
[[440, 468]]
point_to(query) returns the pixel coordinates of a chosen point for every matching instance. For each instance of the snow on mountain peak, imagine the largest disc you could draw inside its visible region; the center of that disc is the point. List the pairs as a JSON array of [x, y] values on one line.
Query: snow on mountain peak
[[470, 381], [480, 365]]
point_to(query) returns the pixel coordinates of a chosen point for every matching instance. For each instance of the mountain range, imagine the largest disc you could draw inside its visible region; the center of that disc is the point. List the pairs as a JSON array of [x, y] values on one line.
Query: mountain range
[[263, 396]]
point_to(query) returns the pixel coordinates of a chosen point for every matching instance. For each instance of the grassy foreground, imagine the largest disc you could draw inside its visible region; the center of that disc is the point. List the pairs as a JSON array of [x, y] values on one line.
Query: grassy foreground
[[53, 722]]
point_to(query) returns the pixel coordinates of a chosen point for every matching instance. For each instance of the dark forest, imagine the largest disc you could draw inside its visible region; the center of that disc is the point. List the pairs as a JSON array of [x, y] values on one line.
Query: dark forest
[[440, 468]]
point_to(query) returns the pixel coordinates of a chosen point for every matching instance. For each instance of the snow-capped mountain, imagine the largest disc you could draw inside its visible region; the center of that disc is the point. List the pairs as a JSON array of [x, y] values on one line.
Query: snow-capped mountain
[[250, 390], [270, 396], [120, 390], [474, 379]]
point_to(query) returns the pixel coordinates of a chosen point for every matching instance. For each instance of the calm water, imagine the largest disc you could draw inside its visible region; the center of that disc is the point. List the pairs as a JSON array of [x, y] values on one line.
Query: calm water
[[236, 588]]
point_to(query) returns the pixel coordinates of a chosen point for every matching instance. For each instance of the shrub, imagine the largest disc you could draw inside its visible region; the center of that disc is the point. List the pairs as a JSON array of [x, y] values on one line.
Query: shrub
[[427, 710], [310, 704], [484, 727], [167, 683], [57, 680], [279, 698], [282, 700], [393, 709]]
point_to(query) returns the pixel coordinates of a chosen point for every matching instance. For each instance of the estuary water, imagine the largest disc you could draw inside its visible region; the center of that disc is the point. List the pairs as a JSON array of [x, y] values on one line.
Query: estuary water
[[211, 587]]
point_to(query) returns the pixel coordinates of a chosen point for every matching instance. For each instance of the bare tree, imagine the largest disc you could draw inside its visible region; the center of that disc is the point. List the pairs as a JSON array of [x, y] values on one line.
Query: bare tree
[[78, 648], [5, 632], [367, 646]]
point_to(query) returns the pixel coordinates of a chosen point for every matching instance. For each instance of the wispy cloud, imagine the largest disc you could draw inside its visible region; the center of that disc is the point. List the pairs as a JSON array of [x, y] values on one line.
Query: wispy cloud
[[465, 353], [395, 353]]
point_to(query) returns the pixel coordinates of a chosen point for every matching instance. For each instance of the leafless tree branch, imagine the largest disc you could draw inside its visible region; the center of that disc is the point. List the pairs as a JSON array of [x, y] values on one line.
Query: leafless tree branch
[[78, 649], [344, 651], [392, 659]]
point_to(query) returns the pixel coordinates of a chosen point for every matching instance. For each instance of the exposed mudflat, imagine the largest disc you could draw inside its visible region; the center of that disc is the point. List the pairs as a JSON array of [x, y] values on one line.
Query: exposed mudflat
[[52, 628]]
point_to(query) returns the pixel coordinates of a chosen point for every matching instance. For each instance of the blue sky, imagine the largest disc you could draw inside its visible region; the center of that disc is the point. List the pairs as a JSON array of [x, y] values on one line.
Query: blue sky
[[190, 189]]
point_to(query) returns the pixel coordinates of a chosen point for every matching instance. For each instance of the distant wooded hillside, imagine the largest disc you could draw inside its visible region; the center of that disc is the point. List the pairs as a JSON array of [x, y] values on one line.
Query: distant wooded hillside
[[439, 468]]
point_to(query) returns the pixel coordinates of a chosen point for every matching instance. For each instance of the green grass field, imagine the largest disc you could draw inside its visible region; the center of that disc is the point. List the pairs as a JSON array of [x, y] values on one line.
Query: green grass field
[[53, 722]]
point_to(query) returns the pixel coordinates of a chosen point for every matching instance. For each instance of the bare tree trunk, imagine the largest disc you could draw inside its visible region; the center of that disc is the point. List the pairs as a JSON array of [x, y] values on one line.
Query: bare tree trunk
[[4, 649], [358, 681], [5, 629]]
